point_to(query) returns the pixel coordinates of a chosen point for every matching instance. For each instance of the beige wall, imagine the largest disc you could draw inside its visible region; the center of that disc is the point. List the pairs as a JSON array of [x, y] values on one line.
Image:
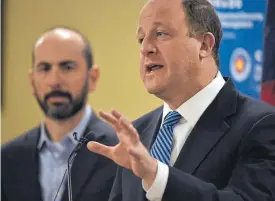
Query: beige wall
[[110, 26]]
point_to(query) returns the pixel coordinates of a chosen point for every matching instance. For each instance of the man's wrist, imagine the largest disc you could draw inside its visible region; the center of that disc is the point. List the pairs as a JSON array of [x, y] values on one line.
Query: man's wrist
[[151, 175]]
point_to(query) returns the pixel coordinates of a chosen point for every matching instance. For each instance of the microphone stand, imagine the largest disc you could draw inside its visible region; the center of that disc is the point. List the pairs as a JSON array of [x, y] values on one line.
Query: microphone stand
[[82, 141]]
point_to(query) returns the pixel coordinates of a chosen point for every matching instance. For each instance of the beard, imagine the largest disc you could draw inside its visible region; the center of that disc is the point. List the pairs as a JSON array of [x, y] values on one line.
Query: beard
[[63, 111]]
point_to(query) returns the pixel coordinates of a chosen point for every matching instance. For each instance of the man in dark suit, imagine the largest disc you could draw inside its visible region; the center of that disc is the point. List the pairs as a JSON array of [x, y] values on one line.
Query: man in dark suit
[[35, 163], [208, 142]]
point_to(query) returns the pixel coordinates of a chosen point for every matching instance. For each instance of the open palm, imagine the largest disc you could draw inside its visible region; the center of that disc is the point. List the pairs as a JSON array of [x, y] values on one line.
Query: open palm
[[129, 152]]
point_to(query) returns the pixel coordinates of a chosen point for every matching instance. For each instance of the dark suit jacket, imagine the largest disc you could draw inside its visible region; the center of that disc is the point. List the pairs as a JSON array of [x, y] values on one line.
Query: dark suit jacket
[[92, 174], [228, 156]]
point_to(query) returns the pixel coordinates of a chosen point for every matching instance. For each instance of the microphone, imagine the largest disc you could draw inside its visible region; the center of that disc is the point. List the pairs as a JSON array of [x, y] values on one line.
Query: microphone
[[82, 141]]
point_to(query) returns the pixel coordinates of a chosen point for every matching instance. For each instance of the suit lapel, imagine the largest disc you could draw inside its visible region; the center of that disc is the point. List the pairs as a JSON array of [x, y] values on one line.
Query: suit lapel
[[199, 143], [30, 165], [209, 130], [85, 161], [149, 133]]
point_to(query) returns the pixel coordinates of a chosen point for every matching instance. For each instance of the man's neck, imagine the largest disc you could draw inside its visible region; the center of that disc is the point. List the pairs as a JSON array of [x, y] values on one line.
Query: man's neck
[[58, 129], [176, 99]]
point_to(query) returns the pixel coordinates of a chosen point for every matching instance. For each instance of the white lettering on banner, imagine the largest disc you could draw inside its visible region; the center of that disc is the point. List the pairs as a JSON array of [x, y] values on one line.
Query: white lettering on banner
[[241, 16], [227, 4], [240, 20], [233, 17]]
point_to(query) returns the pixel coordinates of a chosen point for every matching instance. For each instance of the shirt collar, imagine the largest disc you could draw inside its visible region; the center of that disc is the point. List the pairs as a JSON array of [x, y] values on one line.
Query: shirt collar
[[194, 107], [79, 129]]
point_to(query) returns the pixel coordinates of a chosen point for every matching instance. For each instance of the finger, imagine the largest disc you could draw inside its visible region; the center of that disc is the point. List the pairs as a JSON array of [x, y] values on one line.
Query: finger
[[110, 119], [120, 117], [129, 129], [126, 125], [100, 149], [116, 114]]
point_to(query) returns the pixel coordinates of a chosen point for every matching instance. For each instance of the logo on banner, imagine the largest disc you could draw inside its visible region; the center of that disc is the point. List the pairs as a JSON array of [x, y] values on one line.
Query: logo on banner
[[240, 64]]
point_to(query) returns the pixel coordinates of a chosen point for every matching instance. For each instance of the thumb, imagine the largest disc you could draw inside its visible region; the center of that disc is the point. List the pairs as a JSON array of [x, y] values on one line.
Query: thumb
[[100, 149]]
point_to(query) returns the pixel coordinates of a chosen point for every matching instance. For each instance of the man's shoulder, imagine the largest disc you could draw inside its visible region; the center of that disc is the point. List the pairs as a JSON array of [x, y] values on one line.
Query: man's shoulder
[[254, 108], [20, 142], [251, 115]]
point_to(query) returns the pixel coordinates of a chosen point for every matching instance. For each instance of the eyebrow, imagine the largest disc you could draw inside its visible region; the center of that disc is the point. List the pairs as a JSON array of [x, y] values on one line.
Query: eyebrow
[[157, 23], [43, 63], [63, 63]]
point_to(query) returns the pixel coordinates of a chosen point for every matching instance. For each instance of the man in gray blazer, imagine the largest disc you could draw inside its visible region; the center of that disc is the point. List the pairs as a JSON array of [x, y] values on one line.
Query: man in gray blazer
[[35, 163]]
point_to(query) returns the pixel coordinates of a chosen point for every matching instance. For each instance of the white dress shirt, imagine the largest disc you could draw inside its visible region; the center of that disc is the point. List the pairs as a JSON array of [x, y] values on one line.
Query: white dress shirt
[[191, 112]]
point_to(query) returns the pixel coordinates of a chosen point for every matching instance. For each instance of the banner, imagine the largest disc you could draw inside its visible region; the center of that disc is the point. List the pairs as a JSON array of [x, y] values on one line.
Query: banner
[[241, 49]]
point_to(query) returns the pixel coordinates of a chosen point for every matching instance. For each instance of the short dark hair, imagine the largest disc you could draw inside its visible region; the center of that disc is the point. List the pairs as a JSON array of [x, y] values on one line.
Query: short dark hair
[[87, 50], [202, 18]]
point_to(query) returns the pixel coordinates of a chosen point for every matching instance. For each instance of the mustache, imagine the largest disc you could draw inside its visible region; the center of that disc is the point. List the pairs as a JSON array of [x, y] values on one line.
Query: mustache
[[58, 93]]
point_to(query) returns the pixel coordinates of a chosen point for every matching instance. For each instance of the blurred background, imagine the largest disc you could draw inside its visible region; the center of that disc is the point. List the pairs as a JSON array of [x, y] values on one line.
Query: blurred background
[[246, 53]]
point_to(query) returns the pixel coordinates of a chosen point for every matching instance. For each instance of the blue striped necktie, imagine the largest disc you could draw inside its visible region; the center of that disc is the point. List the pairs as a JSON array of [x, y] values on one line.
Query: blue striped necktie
[[162, 147]]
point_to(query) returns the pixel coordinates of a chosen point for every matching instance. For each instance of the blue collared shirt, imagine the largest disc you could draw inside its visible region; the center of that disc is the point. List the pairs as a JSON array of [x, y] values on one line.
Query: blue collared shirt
[[53, 157]]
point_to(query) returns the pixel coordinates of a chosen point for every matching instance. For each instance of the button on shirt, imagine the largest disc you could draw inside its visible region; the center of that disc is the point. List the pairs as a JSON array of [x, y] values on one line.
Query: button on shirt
[[191, 112], [53, 158]]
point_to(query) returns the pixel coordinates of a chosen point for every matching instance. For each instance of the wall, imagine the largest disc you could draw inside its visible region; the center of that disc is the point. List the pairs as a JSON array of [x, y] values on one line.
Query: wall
[[110, 26]]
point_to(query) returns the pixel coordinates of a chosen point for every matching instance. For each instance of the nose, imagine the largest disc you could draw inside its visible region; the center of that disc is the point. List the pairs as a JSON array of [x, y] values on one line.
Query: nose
[[55, 78], [147, 47]]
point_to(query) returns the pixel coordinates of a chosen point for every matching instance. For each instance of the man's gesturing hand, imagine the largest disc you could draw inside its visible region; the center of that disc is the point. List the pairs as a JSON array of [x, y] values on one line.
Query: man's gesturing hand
[[129, 152]]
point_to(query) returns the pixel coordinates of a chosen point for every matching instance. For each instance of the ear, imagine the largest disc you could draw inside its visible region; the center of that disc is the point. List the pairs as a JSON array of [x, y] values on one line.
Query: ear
[[31, 80], [207, 44], [94, 74]]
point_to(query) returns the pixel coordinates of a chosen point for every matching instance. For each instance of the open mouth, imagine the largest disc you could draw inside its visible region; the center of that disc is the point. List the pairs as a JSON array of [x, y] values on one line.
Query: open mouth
[[153, 67]]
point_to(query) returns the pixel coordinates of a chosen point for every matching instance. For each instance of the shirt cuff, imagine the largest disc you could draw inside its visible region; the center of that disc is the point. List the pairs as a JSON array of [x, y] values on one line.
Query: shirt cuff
[[156, 191]]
